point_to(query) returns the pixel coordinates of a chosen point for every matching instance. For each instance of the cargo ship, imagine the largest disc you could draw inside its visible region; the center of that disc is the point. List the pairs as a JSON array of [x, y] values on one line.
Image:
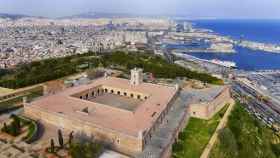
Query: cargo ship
[[228, 64]]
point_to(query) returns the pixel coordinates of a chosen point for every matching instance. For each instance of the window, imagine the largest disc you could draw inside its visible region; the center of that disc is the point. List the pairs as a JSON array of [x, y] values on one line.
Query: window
[[106, 90], [125, 94], [86, 96], [138, 97], [131, 95], [92, 94], [81, 97], [98, 91], [112, 91], [119, 93], [146, 97]]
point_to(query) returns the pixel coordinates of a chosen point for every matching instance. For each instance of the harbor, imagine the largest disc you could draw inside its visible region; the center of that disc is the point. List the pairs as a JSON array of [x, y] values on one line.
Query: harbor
[[226, 64]]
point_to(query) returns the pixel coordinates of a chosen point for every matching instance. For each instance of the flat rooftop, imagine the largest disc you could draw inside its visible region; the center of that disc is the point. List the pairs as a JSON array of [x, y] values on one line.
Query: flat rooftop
[[117, 101], [204, 95], [107, 111]]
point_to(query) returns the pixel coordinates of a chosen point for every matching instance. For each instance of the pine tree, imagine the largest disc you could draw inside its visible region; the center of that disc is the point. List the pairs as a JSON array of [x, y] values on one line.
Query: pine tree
[[71, 137], [5, 128], [60, 138], [52, 146]]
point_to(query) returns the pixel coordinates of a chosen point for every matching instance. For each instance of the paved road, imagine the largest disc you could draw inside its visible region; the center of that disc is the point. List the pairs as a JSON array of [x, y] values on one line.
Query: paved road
[[262, 110]]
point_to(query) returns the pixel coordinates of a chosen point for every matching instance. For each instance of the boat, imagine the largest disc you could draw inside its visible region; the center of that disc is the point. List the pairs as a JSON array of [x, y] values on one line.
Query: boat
[[228, 64]]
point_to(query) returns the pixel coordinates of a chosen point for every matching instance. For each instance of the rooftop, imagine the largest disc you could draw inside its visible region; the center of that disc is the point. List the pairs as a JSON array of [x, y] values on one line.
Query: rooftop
[[204, 95]]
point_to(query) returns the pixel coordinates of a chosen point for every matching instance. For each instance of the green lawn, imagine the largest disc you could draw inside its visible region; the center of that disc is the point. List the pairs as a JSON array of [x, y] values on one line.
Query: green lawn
[[5, 90], [246, 137], [196, 136]]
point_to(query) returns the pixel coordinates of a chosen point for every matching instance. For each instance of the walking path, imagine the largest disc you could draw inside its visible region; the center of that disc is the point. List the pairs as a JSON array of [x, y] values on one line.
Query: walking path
[[214, 137], [164, 135]]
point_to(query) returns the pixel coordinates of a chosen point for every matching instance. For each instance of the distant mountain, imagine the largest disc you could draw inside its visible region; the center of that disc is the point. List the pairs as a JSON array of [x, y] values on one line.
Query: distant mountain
[[95, 15], [13, 16]]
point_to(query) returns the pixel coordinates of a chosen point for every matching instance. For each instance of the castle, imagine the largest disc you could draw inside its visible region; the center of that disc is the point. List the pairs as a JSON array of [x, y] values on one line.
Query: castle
[[119, 112]]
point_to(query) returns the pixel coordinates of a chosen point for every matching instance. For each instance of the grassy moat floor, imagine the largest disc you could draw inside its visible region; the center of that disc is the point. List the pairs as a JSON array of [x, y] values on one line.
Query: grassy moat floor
[[196, 136]]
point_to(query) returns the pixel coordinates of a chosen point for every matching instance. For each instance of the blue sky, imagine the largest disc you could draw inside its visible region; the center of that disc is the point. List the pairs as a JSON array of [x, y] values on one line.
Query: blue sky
[[191, 8]]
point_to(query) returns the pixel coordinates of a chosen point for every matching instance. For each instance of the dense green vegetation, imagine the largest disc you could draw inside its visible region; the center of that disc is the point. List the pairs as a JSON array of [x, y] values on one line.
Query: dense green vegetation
[[16, 126], [156, 65], [45, 70], [82, 149], [81, 146], [196, 136], [245, 137], [32, 134]]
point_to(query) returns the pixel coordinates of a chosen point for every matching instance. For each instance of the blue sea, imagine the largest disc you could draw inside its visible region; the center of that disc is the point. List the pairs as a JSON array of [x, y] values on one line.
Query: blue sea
[[267, 31]]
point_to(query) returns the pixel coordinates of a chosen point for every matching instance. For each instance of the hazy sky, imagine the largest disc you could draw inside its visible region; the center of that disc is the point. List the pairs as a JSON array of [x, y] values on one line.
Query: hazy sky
[[191, 8]]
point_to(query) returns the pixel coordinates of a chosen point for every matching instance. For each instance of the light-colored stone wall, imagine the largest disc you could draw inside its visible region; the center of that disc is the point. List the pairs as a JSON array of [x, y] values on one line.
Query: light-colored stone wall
[[206, 110], [121, 142], [99, 90]]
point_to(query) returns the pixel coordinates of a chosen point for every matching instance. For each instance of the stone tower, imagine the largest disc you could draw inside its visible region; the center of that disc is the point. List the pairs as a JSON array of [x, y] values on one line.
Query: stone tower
[[136, 76]]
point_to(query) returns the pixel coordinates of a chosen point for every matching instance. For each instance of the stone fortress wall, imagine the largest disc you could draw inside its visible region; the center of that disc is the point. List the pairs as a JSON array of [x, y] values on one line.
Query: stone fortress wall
[[120, 141], [206, 110], [116, 140]]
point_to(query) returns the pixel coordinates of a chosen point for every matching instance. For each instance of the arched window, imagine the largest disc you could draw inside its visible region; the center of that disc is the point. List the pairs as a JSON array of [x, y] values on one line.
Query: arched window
[[112, 91], [138, 97], [106, 90], [131, 95], [119, 93], [92, 94], [125, 94]]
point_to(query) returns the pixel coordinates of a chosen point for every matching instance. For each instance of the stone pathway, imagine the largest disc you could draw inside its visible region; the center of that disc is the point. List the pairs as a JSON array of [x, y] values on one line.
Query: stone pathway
[[164, 135]]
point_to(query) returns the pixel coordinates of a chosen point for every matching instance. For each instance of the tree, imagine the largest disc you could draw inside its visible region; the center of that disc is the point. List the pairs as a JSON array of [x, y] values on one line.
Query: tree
[[17, 122], [15, 126], [71, 138], [60, 138], [14, 129], [52, 146], [5, 128], [228, 143]]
